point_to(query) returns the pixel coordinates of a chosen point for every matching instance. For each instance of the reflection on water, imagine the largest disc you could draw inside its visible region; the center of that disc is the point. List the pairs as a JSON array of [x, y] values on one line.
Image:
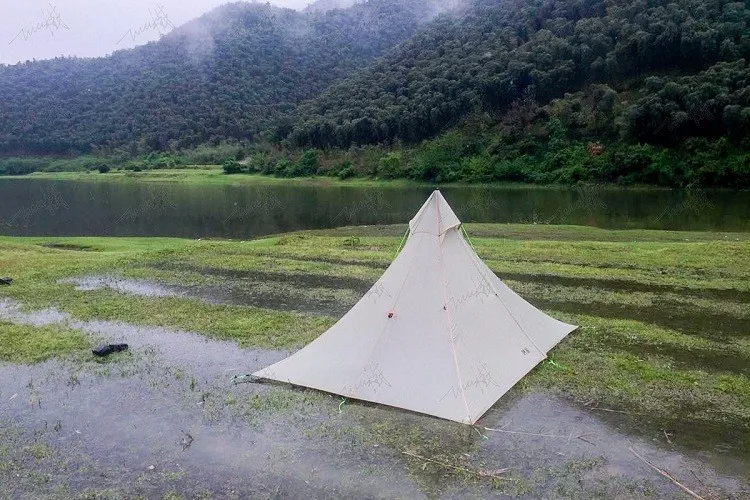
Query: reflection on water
[[70, 208]]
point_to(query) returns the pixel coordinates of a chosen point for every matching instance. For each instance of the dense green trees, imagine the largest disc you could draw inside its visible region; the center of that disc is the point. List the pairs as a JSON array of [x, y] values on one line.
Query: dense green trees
[[224, 75], [712, 103], [488, 60], [546, 153]]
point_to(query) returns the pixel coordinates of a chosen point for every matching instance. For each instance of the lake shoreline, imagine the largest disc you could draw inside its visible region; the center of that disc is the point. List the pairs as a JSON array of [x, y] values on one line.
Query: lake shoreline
[[213, 174], [206, 203]]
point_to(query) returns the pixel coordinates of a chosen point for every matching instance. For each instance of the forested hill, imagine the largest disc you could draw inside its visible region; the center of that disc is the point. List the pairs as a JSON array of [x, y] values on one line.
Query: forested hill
[[639, 91], [680, 62], [223, 75]]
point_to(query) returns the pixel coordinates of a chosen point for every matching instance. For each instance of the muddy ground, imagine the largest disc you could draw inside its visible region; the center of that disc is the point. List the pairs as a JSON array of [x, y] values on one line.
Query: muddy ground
[[166, 419]]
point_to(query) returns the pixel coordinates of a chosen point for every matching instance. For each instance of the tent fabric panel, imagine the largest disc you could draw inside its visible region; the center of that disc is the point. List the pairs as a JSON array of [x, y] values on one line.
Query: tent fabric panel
[[414, 351], [342, 351], [544, 330], [493, 352], [395, 361]]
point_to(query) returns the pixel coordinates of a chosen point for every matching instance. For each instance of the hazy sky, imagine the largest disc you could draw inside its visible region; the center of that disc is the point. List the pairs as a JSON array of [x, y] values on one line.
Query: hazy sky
[[43, 29]]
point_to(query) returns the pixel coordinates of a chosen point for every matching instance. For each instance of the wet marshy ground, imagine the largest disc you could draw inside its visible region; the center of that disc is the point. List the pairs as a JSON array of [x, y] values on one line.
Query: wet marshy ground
[[307, 294], [659, 367], [167, 417]]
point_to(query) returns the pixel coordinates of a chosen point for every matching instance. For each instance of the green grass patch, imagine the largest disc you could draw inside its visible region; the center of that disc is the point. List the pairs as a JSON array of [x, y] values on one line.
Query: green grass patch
[[31, 344], [211, 174]]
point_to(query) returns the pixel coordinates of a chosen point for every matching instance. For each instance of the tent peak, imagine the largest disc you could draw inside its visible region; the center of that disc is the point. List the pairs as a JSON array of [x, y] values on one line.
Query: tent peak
[[435, 216]]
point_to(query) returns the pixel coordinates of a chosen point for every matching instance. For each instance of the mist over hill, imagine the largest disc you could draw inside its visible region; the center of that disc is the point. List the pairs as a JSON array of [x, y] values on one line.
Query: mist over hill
[[221, 76], [326, 5]]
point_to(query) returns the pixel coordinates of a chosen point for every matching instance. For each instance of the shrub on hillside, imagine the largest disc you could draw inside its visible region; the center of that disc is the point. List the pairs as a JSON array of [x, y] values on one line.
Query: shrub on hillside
[[21, 166], [231, 166], [307, 164], [346, 172], [391, 165]]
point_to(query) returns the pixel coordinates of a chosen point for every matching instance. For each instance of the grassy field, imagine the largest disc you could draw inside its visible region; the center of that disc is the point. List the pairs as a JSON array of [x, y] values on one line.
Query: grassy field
[[208, 174], [664, 320], [214, 174]]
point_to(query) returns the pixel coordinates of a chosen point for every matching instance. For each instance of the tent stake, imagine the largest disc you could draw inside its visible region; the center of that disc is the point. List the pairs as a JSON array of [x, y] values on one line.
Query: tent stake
[[525, 433]]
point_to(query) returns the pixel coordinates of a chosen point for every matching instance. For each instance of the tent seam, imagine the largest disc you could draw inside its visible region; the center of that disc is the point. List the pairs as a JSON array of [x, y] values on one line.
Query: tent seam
[[448, 317]]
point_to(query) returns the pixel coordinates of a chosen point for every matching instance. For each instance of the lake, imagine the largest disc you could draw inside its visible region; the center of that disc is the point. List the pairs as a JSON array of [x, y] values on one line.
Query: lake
[[75, 208]]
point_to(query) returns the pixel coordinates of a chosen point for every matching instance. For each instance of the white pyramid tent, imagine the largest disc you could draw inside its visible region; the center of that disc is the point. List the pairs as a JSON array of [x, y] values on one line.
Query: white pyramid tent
[[438, 333]]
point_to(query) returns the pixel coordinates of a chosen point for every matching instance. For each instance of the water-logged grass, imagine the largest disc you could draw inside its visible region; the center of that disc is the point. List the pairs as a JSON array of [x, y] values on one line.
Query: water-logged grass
[[664, 337]]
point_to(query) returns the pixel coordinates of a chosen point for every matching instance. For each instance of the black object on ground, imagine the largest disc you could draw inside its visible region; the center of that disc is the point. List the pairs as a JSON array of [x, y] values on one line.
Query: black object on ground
[[107, 349], [6, 281]]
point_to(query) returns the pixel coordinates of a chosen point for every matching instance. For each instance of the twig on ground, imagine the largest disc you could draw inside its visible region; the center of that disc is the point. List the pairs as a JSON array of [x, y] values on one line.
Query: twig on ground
[[696, 477], [568, 437], [480, 473], [586, 440], [478, 432], [712, 494], [526, 433], [666, 435], [665, 474], [612, 411]]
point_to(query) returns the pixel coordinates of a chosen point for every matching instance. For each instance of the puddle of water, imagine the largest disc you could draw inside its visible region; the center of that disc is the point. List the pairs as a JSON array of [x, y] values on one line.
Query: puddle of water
[[691, 321], [690, 358], [12, 312], [208, 359], [276, 295], [583, 436], [301, 293], [112, 430], [618, 285], [68, 246], [119, 418], [297, 279], [141, 288], [614, 284], [295, 292]]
